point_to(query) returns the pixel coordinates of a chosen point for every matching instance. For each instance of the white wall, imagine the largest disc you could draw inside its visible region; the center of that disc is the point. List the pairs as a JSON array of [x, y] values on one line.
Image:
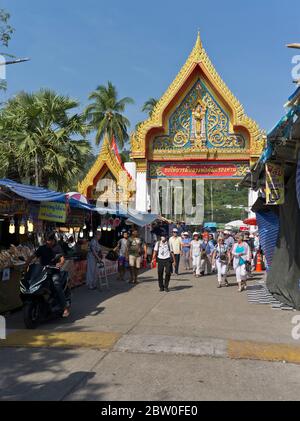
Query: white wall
[[141, 191]]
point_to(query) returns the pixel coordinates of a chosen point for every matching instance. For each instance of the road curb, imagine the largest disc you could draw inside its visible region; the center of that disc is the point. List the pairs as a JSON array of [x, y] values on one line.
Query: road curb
[[155, 344], [209, 347], [263, 351], [55, 339]]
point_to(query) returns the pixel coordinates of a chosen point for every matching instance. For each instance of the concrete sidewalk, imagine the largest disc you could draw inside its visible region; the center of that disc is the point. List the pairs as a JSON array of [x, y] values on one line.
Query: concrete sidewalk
[[194, 311], [134, 342]]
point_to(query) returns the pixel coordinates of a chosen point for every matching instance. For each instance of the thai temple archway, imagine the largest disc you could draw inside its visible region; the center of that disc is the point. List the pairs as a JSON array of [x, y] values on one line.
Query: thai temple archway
[[198, 130]]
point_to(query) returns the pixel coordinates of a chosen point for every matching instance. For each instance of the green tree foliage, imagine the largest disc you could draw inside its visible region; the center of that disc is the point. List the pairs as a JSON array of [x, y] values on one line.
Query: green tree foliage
[[229, 201], [149, 106], [41, 140], [105, 114], [6, 31]]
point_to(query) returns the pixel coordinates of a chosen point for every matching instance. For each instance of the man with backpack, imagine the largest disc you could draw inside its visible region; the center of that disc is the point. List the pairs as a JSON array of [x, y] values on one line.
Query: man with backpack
[[136, 250], [164, 257]]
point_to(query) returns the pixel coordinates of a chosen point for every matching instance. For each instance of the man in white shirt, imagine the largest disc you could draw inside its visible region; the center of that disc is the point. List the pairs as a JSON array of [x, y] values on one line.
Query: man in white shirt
[[175, 247], [164, 257]]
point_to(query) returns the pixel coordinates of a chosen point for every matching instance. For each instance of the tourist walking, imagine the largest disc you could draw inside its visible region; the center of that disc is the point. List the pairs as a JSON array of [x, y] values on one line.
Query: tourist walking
[[94, 257], [240, 253], [220, 259], [122, 261], [195, 254], [175, 247], [186, 250], [206, 253], [136, 250], [164, 257]]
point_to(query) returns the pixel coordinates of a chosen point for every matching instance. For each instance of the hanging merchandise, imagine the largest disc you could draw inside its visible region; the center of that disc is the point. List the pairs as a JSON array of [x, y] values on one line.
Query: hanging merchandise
[[274, 184], [117, 222]]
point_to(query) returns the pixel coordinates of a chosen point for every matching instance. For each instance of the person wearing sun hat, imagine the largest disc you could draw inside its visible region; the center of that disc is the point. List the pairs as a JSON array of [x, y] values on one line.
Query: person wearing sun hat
[[195, 254], [240, 253], [175, 247], [186, 246], [220, 259]]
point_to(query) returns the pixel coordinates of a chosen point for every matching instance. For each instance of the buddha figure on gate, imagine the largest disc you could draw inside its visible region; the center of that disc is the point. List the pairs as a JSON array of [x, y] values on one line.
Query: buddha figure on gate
[[198, 135]]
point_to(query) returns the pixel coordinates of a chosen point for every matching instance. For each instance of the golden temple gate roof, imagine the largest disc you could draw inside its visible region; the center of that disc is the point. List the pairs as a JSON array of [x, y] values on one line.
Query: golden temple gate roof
[[199, 62]]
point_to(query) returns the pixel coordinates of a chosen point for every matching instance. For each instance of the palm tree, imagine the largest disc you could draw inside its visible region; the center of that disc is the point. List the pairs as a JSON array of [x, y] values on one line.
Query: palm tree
[[149, 106], [48, 144], [105, 114]]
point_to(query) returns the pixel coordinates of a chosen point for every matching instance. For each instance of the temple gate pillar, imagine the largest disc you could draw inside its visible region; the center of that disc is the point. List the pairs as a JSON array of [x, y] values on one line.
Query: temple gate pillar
[[141, 186]]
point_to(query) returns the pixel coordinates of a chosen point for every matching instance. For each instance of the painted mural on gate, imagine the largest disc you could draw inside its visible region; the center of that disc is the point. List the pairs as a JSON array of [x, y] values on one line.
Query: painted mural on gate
[[199, 122]]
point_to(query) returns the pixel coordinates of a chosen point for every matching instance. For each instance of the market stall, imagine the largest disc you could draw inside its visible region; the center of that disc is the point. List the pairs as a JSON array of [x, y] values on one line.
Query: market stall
[[26, 214], [276, 177]]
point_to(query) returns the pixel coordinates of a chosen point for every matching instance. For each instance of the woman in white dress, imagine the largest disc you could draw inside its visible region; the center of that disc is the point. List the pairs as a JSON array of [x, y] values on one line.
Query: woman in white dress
[[220, 259], [240, 253], [93, 257], [195, 250]]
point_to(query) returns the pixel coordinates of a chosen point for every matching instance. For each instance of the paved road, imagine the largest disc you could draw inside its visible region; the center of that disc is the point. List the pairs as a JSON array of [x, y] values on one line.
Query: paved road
[[137, 343]]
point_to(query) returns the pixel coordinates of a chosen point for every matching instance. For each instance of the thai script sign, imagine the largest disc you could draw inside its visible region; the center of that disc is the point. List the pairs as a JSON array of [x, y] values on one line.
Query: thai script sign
[[204, 170], [275, 184], [52, 211]]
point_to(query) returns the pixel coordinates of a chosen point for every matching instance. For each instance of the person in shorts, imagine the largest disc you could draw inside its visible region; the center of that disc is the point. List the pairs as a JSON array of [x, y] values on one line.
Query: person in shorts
[[136, 250], [122, 261]]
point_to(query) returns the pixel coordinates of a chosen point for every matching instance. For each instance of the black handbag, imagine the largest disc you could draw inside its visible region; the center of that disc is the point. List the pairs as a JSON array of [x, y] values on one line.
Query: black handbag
[[112, 256], [100, 265], [223, 258]]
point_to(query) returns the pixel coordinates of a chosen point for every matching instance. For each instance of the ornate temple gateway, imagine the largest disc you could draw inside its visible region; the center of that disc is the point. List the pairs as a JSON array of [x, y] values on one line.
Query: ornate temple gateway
[[198, 129]]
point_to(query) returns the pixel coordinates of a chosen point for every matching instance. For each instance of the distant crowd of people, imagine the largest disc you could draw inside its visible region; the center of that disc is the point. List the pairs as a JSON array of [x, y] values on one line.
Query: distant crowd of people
[[201, 253], [206, 253]]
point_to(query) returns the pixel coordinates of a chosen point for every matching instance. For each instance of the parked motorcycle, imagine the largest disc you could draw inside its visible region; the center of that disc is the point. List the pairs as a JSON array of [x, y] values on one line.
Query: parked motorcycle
[[38, 294]]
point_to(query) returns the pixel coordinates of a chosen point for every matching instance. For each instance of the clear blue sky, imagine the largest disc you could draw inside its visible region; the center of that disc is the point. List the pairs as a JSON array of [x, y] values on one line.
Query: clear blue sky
[[75, 45]]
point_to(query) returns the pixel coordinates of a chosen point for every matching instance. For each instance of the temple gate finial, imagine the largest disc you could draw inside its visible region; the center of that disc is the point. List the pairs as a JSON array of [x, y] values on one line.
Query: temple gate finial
[[198, 42]]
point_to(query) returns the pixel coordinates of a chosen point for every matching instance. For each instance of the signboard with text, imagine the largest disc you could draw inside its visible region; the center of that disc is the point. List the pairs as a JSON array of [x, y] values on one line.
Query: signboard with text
[[52, 211], [206, 170], [275, 184]]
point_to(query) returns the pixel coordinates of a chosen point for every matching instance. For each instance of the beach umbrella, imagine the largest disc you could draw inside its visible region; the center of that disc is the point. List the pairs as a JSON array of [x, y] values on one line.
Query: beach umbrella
[[251, 221], [77, 196]]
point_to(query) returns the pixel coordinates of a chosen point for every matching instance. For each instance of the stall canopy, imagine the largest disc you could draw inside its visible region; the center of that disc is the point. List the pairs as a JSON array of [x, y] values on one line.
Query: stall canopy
[[40, 194], [34, 193], [141, 219]]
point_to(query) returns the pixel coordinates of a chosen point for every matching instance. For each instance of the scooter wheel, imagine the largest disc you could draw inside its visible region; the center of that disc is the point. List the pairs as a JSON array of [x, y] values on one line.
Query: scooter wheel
[[31, 315]]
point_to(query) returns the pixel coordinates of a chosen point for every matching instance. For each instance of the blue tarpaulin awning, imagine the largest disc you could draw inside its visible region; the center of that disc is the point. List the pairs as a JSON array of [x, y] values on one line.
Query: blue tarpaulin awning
[[40, 194]]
